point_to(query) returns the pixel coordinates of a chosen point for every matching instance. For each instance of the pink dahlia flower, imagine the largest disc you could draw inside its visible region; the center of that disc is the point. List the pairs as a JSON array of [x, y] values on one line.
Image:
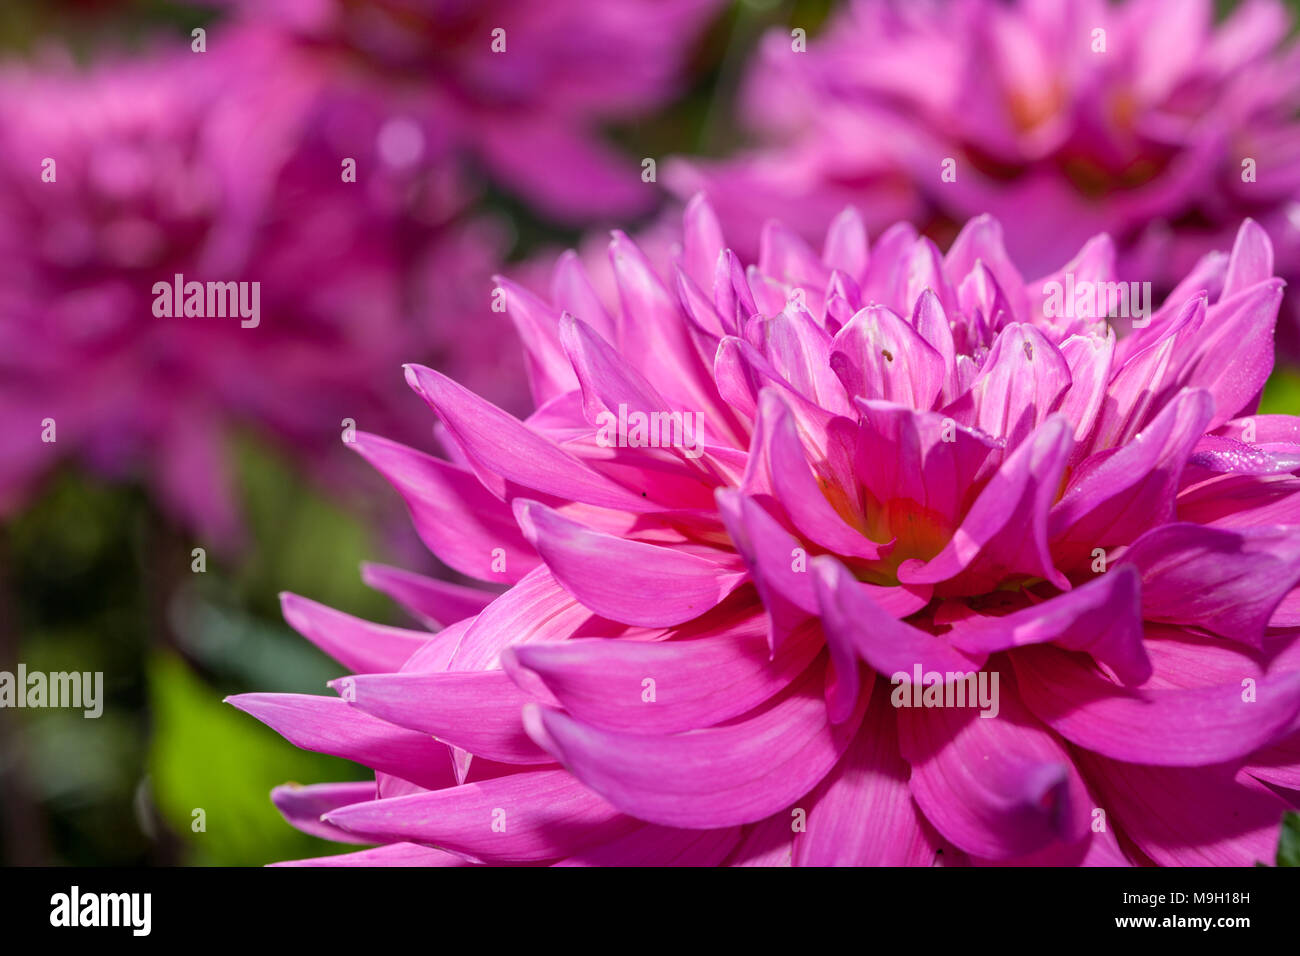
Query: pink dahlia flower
[[1143, 119], [860, 557], [126, 174], [518, 87]]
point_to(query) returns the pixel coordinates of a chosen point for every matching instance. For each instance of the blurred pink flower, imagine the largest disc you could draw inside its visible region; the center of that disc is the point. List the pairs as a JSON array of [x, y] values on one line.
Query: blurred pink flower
[[751, 499], [1065, 118], [215, 168], [528, 112]]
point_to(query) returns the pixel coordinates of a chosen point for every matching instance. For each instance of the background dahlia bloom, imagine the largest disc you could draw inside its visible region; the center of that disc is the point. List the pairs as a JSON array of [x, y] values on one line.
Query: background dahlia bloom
[[1145, 139], [528, 114], [903, 462], [167, 165]]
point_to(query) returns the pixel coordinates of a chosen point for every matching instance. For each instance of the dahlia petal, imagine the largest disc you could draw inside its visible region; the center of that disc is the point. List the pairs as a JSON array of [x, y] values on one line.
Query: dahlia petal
[[358, 645], [768, 843], [1191, 727], [1241, 501], [661, 846], [856, 625], [1234, 356], [862, 814], [524, 817], [1251, 261], [651, 331], [1221, 454], [799, 350], [1188, 816], [477, 711], [1005, 531], [980, 242], [997, 788], [394, 854], [455, 516], [571, 291], [738, 773], [777, 446], [1228, 582], [504, 446], [702, 241], [1102, 618], [328, 725], [921, 459], [785, 257], [434, 602], [878, 355], [302, 807], [776, 561], [549, 373], [1089, 360], [1116, 495], [1143, 375], [607, 380], [931, 323], [846, 244], [536, 610], [625, 580], [1024, 379], [924, 274], [700, 680], [1278, 764]]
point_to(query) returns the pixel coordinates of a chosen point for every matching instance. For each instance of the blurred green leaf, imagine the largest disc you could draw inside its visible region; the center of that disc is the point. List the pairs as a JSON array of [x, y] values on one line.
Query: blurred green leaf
[[208, 755], [1281, 394], [303, 542], [1288, 844]]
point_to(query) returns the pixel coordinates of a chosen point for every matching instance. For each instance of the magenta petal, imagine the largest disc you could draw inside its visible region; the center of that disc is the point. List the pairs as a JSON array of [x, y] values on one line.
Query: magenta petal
[[1114, 496], [1188, 816], [394, 854], [776, 560], [923, 458], [1232, 356], [1228, 582], [856, 627], [522, 817], [863, 814], [878, 355], [1102, 618], [504, 446], [660, 846], [997, 788], [358, 645], [702, 679], [1251, 261], [742, 772], [435, 602], [456, 517], [1005, 532], [621, 579], [1023, 380], [779, 449], [1165, 727], [328, 725], [477, 711], [302, 807], [549, 373]]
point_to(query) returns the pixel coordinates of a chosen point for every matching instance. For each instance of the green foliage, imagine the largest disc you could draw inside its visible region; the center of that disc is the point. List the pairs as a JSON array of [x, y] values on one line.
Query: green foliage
[[1282, 393], [208, 755], [1288, 844]]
